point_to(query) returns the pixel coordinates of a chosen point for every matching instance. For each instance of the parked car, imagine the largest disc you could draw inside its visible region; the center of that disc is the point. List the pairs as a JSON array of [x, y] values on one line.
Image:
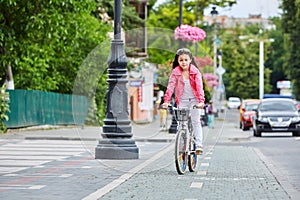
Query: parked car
[[233, 102], [276, 115], [298, 106], [247, 110], [267, 96]]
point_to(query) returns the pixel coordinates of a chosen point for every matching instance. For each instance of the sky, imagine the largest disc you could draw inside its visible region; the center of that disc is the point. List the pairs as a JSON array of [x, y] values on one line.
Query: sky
[[267, 8]]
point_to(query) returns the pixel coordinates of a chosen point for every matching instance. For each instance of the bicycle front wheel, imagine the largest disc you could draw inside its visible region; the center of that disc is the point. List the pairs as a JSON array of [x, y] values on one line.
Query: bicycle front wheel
[[181, 151]]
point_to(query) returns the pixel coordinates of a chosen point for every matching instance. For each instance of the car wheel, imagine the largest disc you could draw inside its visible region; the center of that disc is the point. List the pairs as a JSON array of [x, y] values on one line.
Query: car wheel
[[244, 128], [296, 133], [254, 133], [258, 133]]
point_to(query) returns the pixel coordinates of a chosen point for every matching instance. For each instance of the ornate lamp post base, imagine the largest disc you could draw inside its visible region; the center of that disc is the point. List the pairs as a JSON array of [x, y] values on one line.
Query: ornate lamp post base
[[117, 149], [173, 127]]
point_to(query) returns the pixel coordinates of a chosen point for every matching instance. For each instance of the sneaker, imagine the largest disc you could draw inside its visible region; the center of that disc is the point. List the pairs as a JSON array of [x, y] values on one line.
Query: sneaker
[[199, 150]]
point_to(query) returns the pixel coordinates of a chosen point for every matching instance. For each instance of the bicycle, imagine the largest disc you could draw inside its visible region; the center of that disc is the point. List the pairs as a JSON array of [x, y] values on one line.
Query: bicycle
[[185, 147]]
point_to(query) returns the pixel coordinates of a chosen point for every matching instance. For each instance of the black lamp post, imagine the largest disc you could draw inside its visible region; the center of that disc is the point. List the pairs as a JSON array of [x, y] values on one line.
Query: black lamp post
[[180, 20], [214, 14], [197, 18], [117, 142], [180, 12], [173, 127]]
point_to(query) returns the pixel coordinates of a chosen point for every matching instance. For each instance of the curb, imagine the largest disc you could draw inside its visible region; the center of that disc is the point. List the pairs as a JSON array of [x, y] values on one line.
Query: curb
[[94, 139]]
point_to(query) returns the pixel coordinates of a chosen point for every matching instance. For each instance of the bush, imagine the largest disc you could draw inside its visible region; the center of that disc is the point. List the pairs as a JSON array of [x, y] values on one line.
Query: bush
[[4, 108]]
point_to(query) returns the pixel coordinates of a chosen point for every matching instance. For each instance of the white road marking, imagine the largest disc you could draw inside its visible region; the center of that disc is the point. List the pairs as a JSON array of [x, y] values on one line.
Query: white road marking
[[39, 175], [22, 162], [196, 185], [22, 187], [202, 173], [36, 187], [204, 164]]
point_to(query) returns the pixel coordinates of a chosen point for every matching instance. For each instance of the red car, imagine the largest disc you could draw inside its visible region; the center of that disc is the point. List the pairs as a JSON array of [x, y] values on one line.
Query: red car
[[298, 105], [249, 111]]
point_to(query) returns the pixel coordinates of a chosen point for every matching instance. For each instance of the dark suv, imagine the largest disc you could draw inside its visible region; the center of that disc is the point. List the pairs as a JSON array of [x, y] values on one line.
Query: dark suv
[[276, 115]]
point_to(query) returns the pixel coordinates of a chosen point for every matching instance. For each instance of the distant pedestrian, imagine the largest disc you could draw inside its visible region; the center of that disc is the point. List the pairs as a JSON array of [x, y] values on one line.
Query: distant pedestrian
[[186, 79], [162, 115], [210, 115]]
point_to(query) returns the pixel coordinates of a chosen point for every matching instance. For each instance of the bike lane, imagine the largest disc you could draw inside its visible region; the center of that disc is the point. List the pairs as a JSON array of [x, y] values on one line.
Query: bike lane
[[226, 170]]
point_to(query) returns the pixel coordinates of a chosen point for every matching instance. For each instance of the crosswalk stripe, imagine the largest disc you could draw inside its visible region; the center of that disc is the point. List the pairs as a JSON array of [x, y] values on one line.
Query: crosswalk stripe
[[17, 155], [46, 153], [22, 162], [5, 170], [38, 148], [39, 175], [31, 157], [22, 187]]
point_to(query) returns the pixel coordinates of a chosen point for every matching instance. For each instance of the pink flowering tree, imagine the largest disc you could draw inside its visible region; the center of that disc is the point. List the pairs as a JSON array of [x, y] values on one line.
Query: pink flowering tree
[[189, 33], [211, 79], [203, 61]]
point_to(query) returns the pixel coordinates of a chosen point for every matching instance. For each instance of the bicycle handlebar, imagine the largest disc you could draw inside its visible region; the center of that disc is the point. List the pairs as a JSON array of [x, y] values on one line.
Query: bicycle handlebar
[[194, 107]]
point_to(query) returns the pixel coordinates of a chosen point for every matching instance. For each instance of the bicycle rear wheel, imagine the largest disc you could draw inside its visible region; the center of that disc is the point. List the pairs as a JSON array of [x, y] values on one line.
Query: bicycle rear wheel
[[192, 157], [180, 151]]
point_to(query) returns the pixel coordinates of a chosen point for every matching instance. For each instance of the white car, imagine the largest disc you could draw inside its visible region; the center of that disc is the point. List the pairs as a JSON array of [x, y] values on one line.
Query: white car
[[233, 102]]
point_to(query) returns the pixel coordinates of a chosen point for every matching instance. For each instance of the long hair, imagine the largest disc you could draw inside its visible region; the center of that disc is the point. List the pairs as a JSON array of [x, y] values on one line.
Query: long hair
[[180, 52]]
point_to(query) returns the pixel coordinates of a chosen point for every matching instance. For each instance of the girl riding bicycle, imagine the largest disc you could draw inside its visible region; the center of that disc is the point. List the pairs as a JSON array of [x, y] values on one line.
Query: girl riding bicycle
[[186, 79]]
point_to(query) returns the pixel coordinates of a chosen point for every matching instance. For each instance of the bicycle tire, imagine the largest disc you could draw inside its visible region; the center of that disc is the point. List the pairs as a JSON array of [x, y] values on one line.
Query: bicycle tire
[[180, 152], [192, 157]]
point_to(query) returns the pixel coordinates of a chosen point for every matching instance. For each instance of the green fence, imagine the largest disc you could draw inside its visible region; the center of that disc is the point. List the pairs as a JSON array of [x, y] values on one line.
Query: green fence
[[33, 108]]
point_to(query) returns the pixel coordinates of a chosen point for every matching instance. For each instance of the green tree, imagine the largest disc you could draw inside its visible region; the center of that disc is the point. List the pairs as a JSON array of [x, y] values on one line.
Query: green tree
[[4, 107], [241, 61], [290, 24], [45, 42], [276, 55]]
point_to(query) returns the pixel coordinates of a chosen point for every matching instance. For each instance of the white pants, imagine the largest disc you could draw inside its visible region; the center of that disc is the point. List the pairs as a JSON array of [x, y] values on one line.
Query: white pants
[[195, 117]]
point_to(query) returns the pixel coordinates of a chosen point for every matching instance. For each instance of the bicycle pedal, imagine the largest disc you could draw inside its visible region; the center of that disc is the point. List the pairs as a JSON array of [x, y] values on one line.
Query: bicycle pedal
[[199, 152]]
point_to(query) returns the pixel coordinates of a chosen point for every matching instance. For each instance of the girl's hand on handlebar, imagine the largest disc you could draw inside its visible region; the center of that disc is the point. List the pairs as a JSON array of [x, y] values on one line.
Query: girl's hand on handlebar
[[200, 105], [165, 105]]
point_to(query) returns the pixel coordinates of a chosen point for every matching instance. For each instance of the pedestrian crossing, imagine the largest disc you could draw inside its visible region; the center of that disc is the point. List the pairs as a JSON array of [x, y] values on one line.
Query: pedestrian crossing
[[17, 155]]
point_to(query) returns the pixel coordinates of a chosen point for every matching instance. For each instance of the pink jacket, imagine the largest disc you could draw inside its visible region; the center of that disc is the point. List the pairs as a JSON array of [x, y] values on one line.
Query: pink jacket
[[176, 81]]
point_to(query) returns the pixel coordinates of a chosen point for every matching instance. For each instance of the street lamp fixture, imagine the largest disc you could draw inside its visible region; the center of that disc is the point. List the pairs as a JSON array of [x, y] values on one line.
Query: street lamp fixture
[[214, 13]]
